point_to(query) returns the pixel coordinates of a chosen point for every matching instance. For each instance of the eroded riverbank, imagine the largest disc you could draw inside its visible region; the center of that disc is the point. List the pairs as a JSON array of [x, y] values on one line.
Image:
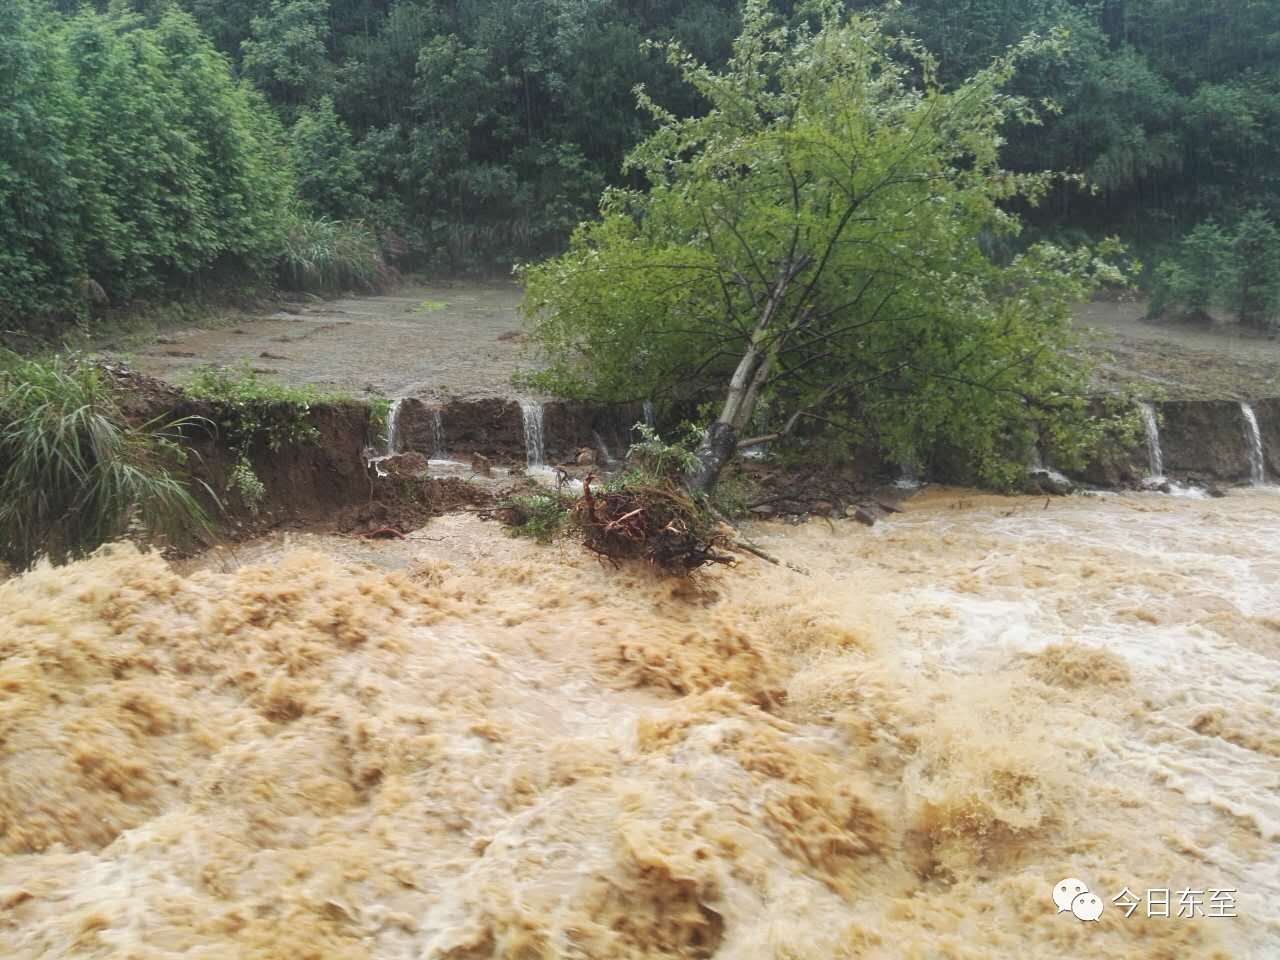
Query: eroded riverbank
[[463, 745]]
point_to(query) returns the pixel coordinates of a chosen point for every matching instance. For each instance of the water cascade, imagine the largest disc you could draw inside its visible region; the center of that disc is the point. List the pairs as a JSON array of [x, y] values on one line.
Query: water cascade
[[393, 427], [534, 451], [1257, 468], [650, 419], [1048, 478], [1152, 428], [907, 479], [437, 433]]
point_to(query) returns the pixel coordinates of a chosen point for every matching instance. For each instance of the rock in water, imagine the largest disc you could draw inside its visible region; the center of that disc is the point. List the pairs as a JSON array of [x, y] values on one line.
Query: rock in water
[[864, 516], [1050, 481]]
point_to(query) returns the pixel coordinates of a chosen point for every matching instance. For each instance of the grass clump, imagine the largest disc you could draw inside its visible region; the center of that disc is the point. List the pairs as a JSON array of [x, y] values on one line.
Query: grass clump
[[543, 516], [379, 411], [331, 255], [74, 473]]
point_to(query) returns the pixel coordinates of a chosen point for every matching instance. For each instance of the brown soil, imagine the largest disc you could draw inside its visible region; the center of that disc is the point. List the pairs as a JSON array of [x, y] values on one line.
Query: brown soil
[[327, 485]]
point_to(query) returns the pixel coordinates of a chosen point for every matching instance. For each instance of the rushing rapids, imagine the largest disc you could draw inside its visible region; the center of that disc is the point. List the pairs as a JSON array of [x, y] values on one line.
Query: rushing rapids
[[332, 749]]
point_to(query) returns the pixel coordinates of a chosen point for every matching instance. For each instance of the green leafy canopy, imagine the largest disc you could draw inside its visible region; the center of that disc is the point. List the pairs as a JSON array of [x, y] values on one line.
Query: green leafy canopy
[[812, 248]]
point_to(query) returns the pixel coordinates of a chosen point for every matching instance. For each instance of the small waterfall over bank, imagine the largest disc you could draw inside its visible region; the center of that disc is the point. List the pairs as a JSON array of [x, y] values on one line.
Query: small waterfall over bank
[[534, 450], [907, 478], [1152, 427], [650, 419], [392, 438], [437, 434], [1257, 467]]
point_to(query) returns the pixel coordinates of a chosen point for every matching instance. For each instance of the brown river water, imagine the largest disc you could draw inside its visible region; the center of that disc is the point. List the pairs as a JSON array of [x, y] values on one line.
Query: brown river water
[[463, 745]]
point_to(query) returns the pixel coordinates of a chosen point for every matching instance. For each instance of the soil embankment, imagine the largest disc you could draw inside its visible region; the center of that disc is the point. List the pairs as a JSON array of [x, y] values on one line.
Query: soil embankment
[[450, 350]]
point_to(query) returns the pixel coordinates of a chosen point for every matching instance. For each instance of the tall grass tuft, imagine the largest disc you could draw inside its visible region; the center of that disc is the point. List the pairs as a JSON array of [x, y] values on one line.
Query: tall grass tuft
[[332, 255], [75, 474]]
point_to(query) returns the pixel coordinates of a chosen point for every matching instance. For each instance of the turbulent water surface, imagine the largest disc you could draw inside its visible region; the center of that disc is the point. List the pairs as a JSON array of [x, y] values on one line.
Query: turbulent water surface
[[468, 746]]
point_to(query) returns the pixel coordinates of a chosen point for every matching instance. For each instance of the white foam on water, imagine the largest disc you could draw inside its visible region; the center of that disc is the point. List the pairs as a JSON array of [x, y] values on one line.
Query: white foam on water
[[1176, 592], [548, 476]]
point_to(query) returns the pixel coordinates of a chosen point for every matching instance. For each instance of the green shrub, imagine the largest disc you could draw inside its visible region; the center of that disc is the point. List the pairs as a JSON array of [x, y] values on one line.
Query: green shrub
[[1255, 280], [1237, 268], [76, 474], [1194, 280], [655, 459], [330, 181], [251, 409]]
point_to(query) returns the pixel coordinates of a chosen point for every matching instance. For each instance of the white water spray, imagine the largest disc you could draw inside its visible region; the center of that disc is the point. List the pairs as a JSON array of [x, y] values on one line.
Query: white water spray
[[534, 451], [907, 479], [1152, 427], [391, 441], [1257, 467], [650, 419]]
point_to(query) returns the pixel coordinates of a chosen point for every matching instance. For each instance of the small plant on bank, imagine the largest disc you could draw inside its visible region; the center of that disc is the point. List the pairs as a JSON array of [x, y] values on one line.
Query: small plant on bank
[[652, 458], [379, 411], [245, 484], [252, 411], [543, 516], [76, 473]]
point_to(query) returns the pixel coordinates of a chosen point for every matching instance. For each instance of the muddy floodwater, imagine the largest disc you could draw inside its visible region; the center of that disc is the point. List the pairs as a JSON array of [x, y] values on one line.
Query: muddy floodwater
[[463, 745]]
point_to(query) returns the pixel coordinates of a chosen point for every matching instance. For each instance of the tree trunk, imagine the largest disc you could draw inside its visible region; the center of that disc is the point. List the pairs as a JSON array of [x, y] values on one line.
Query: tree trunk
[[721, 442], [745, 385], [713, 453]]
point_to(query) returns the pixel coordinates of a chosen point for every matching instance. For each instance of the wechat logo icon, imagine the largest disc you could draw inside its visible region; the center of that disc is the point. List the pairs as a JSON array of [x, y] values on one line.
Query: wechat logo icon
[[1072, 894]]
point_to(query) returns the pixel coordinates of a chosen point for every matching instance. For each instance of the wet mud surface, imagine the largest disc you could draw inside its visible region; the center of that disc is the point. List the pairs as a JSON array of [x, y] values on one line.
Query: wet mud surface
[[458, 340], [1178, 360]]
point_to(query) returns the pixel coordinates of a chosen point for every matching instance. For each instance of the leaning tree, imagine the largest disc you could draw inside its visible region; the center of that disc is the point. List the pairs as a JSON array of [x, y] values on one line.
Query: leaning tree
[[815, 249]]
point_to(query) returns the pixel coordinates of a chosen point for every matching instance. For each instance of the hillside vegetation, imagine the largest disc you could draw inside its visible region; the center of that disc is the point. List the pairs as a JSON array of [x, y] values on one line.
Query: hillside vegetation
[[153, 146]]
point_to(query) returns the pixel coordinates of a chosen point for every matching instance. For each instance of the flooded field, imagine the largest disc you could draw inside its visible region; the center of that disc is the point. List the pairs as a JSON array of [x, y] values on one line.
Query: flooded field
[[463, 745], [1226, 361], [461, 340], [453, 339]]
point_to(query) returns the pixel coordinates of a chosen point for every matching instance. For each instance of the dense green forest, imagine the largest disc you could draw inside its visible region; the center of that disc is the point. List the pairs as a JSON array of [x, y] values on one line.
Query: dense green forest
[[163, 144]]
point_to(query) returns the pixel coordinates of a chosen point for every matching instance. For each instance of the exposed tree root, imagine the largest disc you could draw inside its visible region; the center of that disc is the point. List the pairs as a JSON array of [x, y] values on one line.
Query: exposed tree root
[[657, 524]]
